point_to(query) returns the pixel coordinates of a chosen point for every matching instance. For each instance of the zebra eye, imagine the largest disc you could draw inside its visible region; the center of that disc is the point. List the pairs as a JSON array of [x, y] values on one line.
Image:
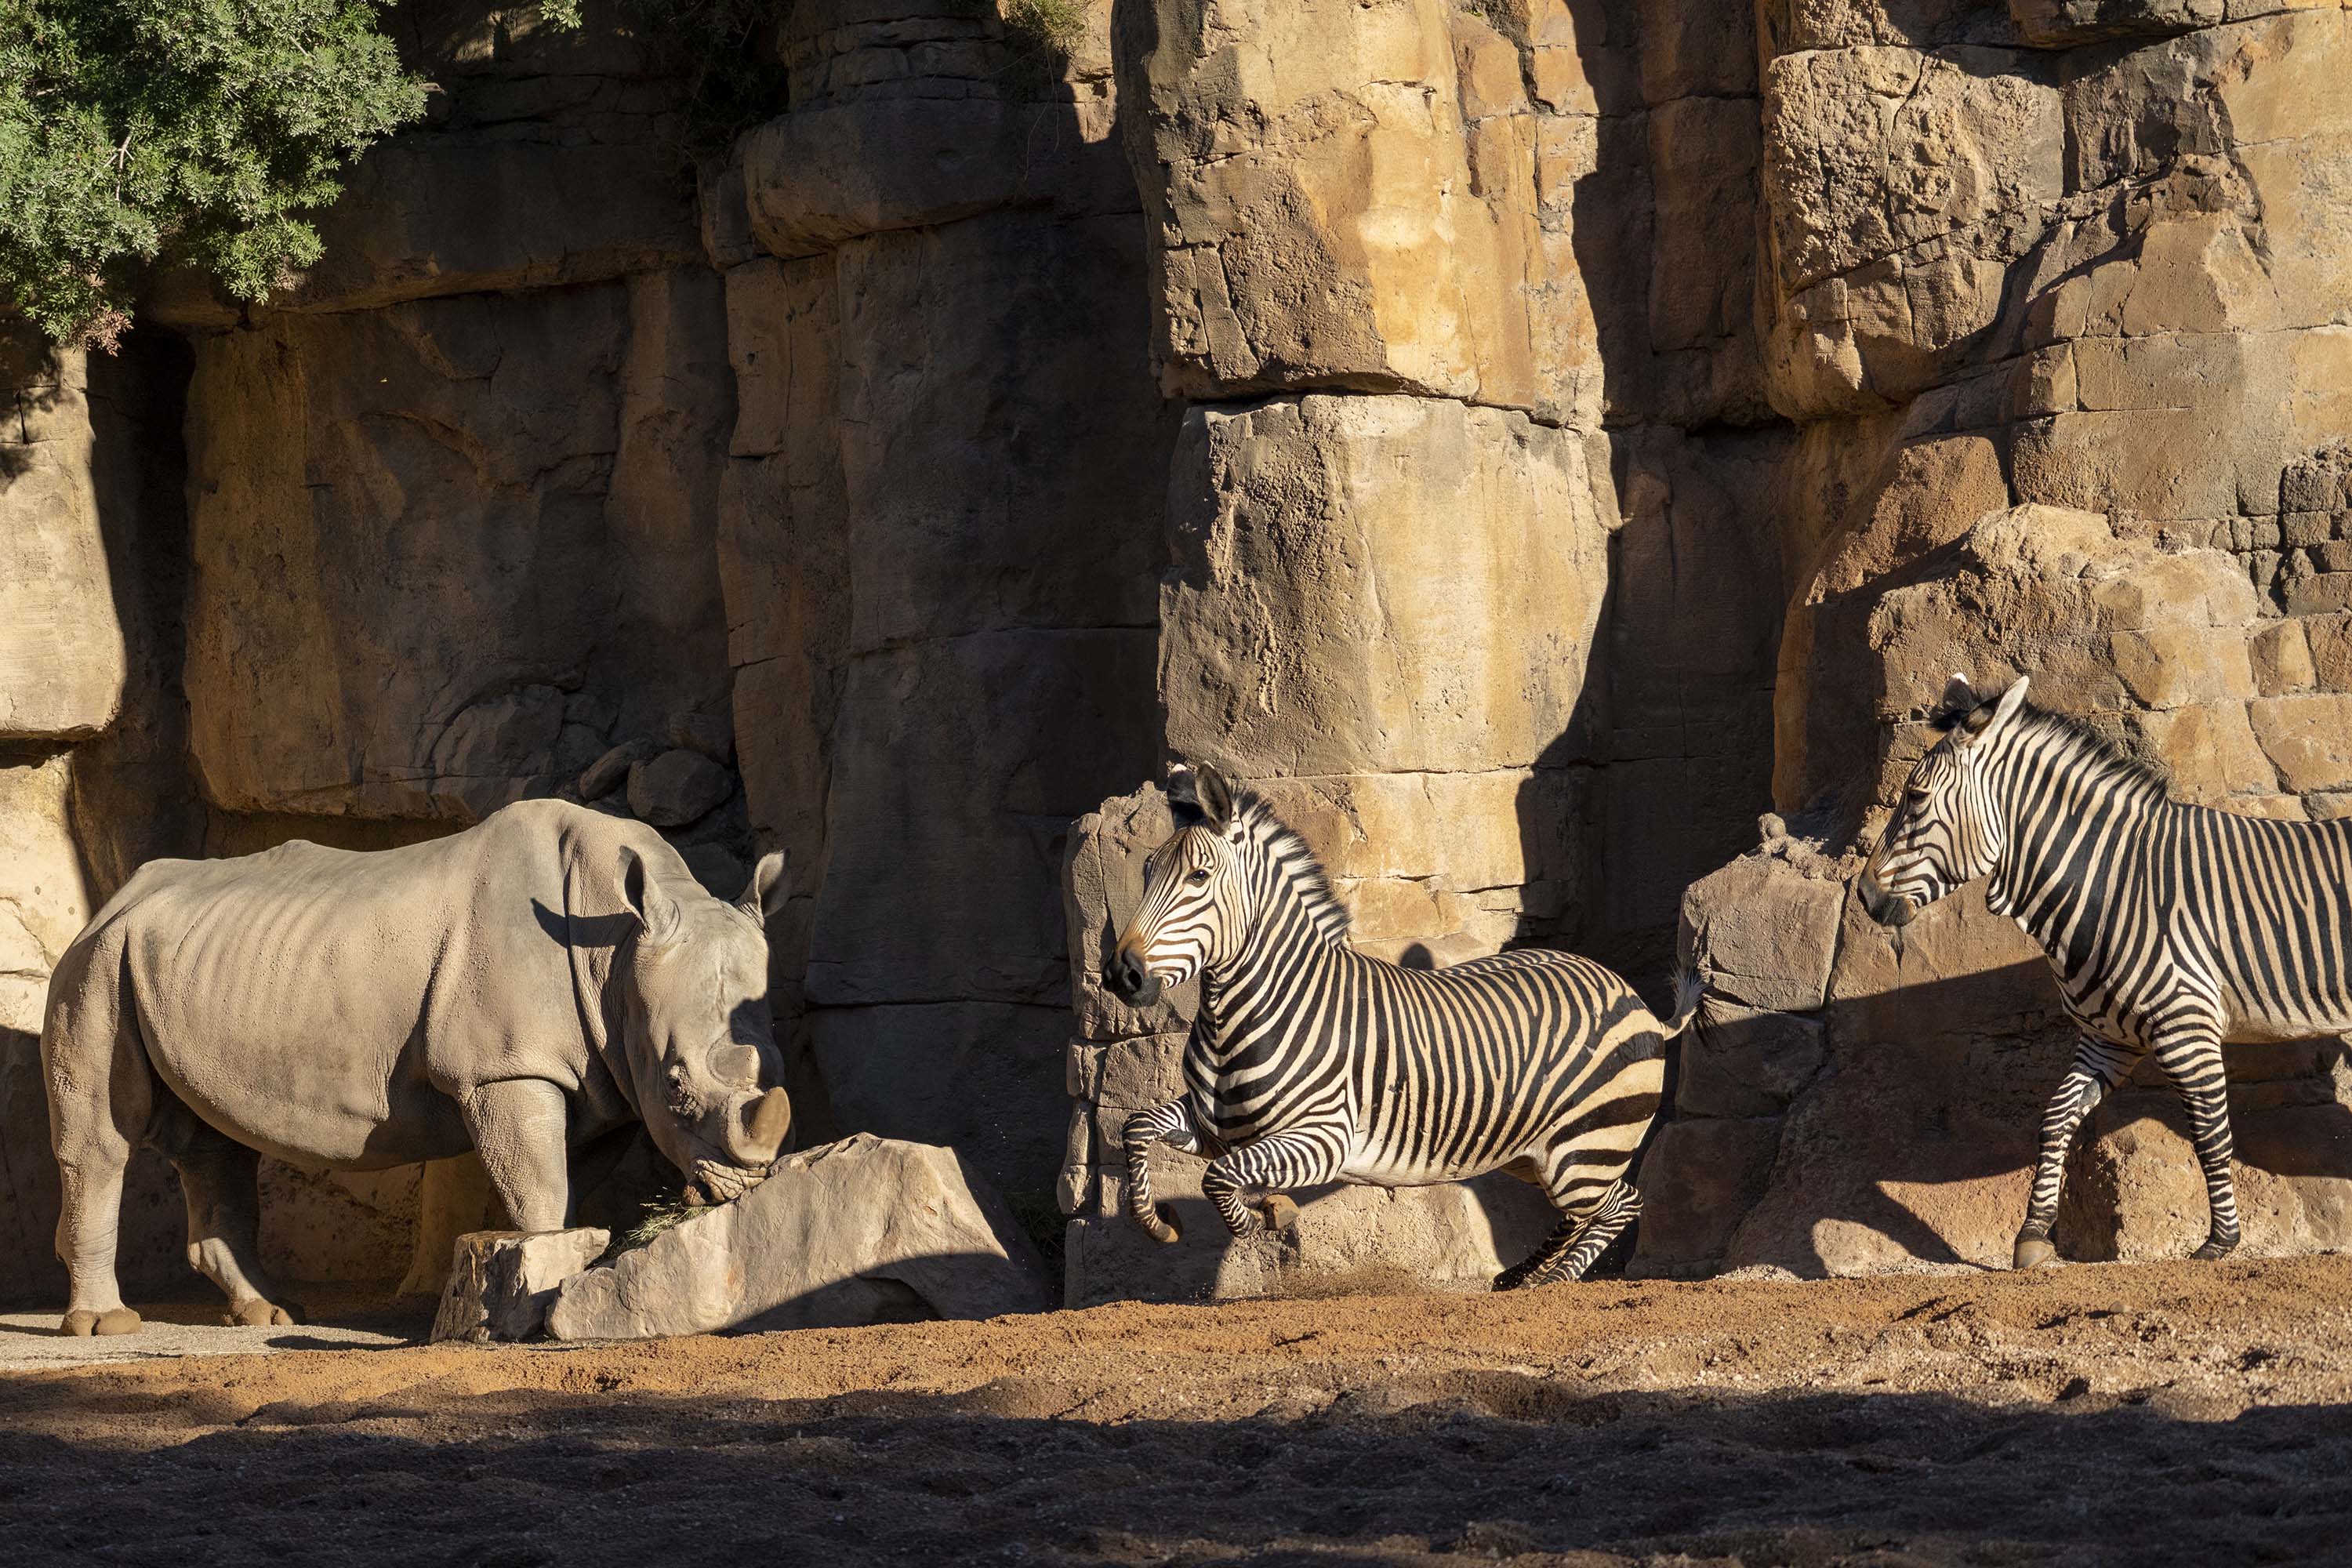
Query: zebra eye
[[1197, 878]]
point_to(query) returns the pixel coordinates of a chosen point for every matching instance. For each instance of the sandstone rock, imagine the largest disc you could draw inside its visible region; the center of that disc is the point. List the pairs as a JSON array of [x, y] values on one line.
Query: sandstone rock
[[1337, 202], [1744, 1061], [43, 903], [1700, 1180], [1900, 186], [808, 1247], [1301, 526], [712, 734], [62, 659], [611, 770], [1765, 933], [415, 530], [1451, 1238], [454, 1197], [502, 1282], [677, 787], [2063, 23], [720, 869]]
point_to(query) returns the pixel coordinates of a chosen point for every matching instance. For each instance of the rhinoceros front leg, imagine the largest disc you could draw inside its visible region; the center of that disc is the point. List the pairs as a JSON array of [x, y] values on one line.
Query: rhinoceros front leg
[[519, 1126], [218, 1178]]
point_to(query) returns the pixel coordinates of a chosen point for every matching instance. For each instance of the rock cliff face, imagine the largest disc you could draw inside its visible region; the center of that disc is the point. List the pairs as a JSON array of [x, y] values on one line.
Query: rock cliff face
[[1527, 439]]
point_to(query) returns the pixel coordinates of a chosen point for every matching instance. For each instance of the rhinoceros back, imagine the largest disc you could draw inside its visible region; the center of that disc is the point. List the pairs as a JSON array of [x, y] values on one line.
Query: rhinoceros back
[[322, 1004]]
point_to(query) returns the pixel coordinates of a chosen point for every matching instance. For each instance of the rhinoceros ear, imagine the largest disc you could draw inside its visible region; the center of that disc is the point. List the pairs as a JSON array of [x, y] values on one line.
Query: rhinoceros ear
[[768, 888], [656, 910]]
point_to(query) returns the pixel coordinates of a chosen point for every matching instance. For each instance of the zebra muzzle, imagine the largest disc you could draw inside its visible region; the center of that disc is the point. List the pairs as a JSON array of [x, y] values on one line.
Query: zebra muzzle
[[1883, 906], [1126, 978]]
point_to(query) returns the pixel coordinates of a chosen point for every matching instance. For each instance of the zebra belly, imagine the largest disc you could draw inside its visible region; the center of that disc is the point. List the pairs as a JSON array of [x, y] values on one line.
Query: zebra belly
[[1373, 1170]]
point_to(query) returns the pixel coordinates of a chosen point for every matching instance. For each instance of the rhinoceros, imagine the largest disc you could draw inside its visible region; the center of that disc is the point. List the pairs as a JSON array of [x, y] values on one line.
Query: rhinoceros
[[522, 986]]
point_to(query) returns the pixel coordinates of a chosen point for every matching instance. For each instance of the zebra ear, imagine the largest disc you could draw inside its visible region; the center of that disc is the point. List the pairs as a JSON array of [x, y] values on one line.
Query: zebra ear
[[1959, 697], [1989, 715], [1215, 797], [2011, 701], [1181, 787]]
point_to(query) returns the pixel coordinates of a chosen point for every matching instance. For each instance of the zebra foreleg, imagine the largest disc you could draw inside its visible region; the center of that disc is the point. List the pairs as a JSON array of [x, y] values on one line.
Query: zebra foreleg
[[1578, 1242], [1301, 1157], [2192, 1060], [2099, 1066], [1172, 1124]]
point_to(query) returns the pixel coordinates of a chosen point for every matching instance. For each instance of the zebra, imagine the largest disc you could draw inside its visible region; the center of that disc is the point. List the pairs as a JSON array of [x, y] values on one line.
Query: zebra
[[1309, 1062], [2173, 929]]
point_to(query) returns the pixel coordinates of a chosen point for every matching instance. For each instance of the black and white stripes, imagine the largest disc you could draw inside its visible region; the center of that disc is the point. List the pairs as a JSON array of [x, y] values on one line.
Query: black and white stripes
[[2172, 928], [1311, 1063]]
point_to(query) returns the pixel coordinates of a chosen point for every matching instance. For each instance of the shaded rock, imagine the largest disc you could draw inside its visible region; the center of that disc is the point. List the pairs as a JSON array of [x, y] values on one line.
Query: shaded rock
[[818, 1243], [611, 770], [454, 1197], [1698, 1181], [1455, 1236], [502, 1282], [720, 869], [710, 731], [675, 787]]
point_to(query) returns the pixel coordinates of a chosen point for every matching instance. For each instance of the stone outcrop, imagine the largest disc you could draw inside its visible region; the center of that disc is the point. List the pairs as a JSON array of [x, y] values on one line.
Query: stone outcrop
[[502, 1282], [1853, 1104], [866, 1230], [62, 660]]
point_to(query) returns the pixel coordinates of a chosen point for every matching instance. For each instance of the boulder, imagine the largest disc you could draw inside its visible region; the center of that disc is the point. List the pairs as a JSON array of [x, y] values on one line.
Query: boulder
[[610, 771], [62, 657], [865, 1228], [677, 787], [1455, 1236], [501, 1282]]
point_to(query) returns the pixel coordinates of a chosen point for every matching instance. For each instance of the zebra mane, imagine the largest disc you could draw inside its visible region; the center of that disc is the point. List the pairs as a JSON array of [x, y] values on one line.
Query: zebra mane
[[2093, 747], [1296, 860]]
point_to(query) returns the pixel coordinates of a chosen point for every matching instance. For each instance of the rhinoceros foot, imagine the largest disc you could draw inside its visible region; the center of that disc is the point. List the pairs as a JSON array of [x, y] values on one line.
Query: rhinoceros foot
[[80, 1323], [258, 1314]]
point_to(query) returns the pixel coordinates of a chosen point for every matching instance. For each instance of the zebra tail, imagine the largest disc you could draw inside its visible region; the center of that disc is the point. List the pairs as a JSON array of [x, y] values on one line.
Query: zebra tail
[[1690, 990]]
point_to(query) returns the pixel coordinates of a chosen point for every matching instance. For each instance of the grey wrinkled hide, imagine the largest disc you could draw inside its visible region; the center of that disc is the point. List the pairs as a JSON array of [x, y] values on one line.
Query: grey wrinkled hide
[[522, 987]]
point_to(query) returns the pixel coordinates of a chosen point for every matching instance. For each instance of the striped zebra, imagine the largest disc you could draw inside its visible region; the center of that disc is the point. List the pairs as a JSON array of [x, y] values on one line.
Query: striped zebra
[[2173, 929], [1309, 1062]]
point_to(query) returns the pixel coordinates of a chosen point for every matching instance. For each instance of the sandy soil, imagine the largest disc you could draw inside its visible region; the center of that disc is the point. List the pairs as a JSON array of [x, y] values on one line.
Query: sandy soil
[[2176, 1412]]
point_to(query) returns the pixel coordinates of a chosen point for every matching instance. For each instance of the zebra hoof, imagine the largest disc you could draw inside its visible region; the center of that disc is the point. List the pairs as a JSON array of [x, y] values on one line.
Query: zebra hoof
[[2035, 1252], [1278, 1212], [2216, 1247], [1162, 1227]]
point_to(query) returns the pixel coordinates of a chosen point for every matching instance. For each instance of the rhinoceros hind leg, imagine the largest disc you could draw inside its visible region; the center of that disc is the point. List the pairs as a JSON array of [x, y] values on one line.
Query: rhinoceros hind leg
[[219, 1178], [81, 1322], [258, 1313]]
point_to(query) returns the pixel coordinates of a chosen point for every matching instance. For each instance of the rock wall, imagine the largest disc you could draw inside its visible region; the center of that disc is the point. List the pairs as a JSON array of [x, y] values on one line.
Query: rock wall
[[2081, 310], [1529, 439]]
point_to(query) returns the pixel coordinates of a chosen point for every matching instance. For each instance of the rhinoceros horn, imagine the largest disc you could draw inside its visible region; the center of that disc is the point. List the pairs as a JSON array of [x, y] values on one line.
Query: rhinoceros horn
[[766, 1121]]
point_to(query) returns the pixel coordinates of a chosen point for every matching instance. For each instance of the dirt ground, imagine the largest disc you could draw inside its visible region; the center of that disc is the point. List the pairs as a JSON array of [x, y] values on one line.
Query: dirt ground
[[2173, 1413]]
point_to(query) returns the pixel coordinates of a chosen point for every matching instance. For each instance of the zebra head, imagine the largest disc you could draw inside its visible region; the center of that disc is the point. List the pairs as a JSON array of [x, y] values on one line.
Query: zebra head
[[1195, 896], [1946, 830]]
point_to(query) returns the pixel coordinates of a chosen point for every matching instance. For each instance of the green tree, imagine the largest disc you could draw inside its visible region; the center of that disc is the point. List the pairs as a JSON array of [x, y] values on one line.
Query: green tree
[[197, 130]]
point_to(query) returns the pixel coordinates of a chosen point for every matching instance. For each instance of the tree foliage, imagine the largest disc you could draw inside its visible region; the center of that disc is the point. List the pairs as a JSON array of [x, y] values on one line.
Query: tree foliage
[[184, 130]]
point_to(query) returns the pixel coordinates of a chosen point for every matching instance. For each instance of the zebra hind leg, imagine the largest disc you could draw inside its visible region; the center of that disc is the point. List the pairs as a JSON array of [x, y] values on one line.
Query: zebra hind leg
[[1301, 1157], [1577, 1244], [2193, 1063], [1171, 1122]]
